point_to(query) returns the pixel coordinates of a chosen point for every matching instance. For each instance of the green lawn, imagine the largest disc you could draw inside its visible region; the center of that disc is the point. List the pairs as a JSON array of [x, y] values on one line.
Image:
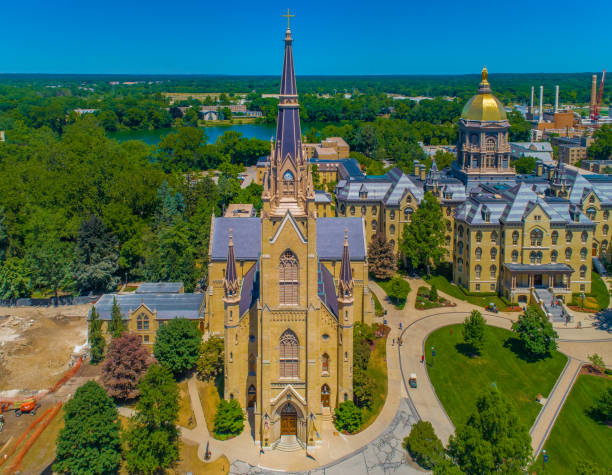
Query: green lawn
[[400, 302], [600, 291], [575, 436], [377, 370], [459, 379], [378, 308], [443, 285]]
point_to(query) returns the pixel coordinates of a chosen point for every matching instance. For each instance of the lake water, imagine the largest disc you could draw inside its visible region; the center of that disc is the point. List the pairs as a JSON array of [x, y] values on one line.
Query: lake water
[[258, 131]]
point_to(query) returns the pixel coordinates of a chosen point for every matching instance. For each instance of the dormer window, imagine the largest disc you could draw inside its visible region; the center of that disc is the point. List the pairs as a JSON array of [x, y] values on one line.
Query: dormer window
[[363, 195]]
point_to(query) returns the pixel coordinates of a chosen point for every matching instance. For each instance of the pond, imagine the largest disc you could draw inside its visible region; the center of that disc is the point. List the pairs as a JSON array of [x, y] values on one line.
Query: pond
[[258, 131]]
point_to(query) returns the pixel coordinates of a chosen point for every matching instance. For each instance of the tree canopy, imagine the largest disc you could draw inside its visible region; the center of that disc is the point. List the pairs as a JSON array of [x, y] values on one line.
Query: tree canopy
[[536, 332], [177, 345]]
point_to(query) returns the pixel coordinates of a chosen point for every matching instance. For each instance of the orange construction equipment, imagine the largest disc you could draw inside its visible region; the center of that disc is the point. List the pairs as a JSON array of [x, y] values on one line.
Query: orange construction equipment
[[29, 406]]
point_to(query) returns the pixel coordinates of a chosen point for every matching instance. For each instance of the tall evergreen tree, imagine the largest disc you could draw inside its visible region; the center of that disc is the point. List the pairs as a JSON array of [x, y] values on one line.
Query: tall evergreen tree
[[90, 440], [95, 337], [492, 440], [381, 258], [152, 438], [96, 257], [474, 329], [423, 239], [116, 326]]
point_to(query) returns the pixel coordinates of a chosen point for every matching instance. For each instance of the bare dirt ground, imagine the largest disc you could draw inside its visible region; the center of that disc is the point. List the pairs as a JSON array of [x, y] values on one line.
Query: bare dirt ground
[[36, 344]]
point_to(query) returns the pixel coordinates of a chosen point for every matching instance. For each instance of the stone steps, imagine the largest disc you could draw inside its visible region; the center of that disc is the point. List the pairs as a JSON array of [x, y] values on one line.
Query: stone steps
[[288, 443]]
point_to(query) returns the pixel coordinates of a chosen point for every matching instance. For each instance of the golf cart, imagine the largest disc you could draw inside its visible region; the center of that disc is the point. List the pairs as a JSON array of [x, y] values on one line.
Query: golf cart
[[412, 382], [492, 307]]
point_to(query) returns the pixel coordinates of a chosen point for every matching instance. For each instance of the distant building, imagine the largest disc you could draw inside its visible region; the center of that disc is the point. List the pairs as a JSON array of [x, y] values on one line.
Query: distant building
[[572, 153], [85, 111], [144, 312], [540, 150], [240, 210], [239, 110], [2, 136], [597, 166]]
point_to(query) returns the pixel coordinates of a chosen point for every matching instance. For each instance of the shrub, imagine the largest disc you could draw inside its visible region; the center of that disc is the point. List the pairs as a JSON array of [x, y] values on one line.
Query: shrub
[[229, 420], [177, 345], [347, 417], [598, 362], [398, 290], [433, 293], [363, 388], [210, 362], [423, 445], [125, 363]]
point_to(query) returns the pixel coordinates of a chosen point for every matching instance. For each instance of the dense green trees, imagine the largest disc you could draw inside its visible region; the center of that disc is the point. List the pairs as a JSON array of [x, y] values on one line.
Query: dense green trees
[[601, 148], [89, 441], [177, 345], [422, 240], [536, 333], [152, 438], [602, 409], [520, 128], [525, 165]]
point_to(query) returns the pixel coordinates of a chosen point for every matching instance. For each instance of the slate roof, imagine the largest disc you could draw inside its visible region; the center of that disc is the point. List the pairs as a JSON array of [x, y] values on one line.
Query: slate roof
[[322, 197], [246, 233], [330, 238], [326, 289], [250, 289], [159, 288], [168, 306], [536, 268]]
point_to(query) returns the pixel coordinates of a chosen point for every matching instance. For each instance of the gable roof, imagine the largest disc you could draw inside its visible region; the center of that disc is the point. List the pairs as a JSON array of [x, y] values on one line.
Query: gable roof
[[246, 233], [159, 288], [330, 238], [167, 306]]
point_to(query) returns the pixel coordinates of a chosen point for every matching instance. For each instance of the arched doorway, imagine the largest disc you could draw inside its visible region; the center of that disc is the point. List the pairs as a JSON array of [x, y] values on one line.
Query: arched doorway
[[325, 395], [288, 420], [252, 396]]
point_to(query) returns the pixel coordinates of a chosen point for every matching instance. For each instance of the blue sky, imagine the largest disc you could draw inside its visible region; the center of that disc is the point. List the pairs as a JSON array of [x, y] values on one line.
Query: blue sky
[[357, 37]]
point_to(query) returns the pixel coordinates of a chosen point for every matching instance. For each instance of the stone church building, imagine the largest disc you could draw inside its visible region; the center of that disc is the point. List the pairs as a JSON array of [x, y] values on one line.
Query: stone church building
[[285, 290]]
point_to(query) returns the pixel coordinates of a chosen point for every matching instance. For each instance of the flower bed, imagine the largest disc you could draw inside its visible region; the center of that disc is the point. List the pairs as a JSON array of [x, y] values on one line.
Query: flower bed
[[426, 299]]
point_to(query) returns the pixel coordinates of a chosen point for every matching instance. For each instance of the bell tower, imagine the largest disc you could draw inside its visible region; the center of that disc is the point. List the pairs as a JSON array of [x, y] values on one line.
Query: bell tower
[[345, 325], [287, 181]]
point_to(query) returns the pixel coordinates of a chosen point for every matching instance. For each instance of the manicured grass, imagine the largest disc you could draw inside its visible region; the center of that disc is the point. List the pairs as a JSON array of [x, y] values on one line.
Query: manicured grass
[[460, 379], [575, 436], [377, 370], [600, 291], [190, 462], [378, 308], [185, 416], [443, 285], [400, 302], [209, 397]]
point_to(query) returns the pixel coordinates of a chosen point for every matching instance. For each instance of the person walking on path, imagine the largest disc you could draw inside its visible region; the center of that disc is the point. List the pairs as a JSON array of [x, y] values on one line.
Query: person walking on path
[[422, 359]]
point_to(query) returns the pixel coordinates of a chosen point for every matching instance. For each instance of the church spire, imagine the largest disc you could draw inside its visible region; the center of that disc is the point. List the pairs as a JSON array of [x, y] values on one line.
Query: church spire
[[230, 281], [345, 284], [288, 131]]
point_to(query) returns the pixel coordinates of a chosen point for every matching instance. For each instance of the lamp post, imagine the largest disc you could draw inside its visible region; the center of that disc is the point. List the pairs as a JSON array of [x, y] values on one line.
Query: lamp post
[[582, 297], [433, 353], [544, 458]]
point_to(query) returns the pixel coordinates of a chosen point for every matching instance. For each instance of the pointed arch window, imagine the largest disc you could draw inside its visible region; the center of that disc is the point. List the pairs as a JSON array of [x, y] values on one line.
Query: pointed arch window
[[288, 183], [289, 355], [142, 322], [325, 363], [288, 279]]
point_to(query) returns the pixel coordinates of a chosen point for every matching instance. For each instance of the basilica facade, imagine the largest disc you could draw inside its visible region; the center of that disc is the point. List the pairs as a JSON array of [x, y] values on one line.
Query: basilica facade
[[285, 290]]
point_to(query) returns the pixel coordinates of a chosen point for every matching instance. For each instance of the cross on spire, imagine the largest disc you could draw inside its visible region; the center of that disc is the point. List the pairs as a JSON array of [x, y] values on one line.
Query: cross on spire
[[288, 17]]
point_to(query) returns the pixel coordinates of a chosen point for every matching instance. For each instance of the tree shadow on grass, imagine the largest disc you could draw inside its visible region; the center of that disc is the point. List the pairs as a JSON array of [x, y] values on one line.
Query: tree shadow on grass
[[467, 350], [603, 321], [518, 348]]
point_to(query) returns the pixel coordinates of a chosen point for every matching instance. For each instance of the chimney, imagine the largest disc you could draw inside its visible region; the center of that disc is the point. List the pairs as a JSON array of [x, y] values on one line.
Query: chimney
[[593, 93], [541, 114], [531, 106], [556, 99]]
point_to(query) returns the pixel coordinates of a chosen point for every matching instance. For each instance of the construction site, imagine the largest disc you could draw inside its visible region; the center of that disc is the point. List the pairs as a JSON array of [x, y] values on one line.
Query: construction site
[[41, 355]]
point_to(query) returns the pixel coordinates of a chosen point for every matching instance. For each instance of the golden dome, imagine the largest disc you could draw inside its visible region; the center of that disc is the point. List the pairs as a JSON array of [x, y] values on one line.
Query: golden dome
[[484, 106]]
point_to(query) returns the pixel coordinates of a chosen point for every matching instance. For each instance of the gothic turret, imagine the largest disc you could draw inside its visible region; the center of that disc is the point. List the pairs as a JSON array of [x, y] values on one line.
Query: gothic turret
[[231, 285], [432, 181], [345, 283]]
